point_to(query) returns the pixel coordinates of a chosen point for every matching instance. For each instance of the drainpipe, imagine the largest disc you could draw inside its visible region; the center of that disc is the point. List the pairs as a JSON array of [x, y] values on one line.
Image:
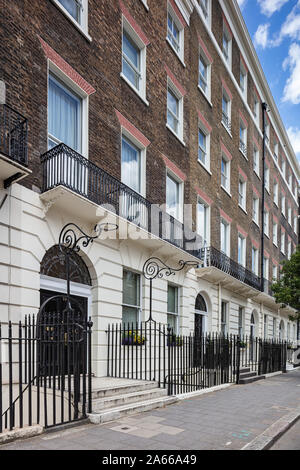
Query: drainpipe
[[264, 110]]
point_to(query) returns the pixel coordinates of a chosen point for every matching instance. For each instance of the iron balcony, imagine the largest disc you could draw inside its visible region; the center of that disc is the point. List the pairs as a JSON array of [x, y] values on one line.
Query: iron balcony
[[13, 135], [62, 166]]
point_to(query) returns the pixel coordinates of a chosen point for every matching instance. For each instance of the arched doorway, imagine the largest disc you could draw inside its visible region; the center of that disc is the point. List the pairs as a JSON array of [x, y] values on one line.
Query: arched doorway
[[200, 316], [60, 323]]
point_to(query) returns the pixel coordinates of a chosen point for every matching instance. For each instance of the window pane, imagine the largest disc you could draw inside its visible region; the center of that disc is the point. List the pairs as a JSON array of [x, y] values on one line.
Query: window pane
[[64, 115], [131, 61], [172, 197], [172, 299], [172, 322], [202, 147], [131, 165], [203, 221], [131, 288], [73, 7]]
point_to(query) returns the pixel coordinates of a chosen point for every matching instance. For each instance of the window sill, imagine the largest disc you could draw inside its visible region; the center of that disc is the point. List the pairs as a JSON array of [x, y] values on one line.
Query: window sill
[[72, 20], [275, 204], [257, 174], [174, 50], [145, 5], [226, 129], [243, 209], [244, 155], [174, 133], [226, 191], [205, 96], [205, 167], [134, 89], [275, 244], [256, 223], [266, 235]]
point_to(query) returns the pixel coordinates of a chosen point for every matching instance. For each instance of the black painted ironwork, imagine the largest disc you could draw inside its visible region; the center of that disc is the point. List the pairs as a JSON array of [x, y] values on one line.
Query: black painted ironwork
[[184, 363], [156, 268], [213, 257], [13, 135]]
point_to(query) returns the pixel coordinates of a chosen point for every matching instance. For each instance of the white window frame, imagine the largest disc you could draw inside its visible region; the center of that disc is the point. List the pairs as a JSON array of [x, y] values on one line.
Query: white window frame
[[207, 62], [208, 219], [282, 243], [224, 326], [254, 264], [244, 72], [228, 37], [180, 27], [228, 100], [228, 171], [283, 205], [266, 268], [289, 253], [207, 143], [255, 209], [242, 195], [276, 150], [206, 18], [266, 325], [61, 76], [267, 132], [295, 224], [143, 154], [243, 140], [276, 193], [256, 109], [267, 178], [275, 272], [243, 241], [144, 2], [275, 233], [178, 95], [290, 215], [82, 26], [137, 307], [256, 160], [227, 233], [128, 29], [174, 177], [267, 223], [241, 321], [175, 314]]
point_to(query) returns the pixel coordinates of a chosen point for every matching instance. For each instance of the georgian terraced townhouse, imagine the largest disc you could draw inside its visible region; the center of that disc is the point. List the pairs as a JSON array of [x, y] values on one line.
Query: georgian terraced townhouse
[[120, 105]]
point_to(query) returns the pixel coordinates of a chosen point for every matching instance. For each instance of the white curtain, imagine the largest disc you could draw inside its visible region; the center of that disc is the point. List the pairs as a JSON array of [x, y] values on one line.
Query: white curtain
[[131, 166]]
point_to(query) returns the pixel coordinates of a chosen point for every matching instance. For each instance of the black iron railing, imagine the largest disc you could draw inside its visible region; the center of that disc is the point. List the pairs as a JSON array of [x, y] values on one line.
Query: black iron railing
[[63, 166], [213, 257], [13, 135], [226, 121], [151, 351]]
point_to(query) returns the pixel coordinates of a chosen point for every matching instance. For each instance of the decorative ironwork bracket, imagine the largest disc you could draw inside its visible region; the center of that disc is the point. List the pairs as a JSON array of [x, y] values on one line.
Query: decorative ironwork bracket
[[71, 236]]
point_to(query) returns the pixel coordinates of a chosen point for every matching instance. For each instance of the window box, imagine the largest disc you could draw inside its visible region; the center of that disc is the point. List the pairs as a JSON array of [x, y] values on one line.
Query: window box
[[132, 338], [174, 340]]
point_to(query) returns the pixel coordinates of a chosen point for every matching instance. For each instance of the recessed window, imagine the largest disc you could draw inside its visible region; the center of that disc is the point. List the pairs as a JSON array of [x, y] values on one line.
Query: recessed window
[[131, 61], [173, 308], [275, 193], [266, 223], [224, 318], [173, 111], [275, 233], [290, 216], [226, 111], [225, 173], [204, 5], [282, 243], [131, 304], [204, 74], [241, 250], [64, 115], [243, 138], [256, 108], [256, 159], [255, 211], [225, 237], [227, 44], [242, 193], [275, 272], [174, 197], [289, 249], [203, 222], [243, 80], [295, 224], [74, 8], [267, 132], [283, 166], [276, 149], [267, 178], [131, 165], [283, 208], [241, 321], [266, 268], [175, 33], [255, 260], [204, 148], [265, 326]]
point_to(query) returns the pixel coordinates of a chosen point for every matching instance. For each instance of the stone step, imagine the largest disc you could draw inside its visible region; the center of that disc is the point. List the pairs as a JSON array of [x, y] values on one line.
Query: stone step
[[117, 390], [243, 370], [116, 401], [250, 380], [245, 375], [130, 409]]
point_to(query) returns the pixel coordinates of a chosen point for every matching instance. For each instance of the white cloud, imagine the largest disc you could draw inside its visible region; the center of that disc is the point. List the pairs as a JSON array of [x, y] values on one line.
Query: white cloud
[[291, 26], [291, 92], [268, 7], [261, 37], [241, 3], [294, 135]]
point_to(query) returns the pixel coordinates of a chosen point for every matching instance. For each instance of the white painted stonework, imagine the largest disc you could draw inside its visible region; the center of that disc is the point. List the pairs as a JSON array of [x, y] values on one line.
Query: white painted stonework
[[29, 227]]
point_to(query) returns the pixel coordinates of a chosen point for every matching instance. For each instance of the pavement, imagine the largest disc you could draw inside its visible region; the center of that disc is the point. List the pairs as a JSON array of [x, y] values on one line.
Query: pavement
[[227, 419], [290, 440]]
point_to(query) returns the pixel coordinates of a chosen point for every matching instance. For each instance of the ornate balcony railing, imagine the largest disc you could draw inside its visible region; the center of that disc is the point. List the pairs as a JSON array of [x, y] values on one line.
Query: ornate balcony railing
[[62, 166], [226, 121], [213, 257], [13, 135]]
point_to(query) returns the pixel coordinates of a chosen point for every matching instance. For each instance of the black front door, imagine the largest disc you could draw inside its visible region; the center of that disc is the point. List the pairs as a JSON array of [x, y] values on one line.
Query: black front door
[[61, 334], [198, 339]]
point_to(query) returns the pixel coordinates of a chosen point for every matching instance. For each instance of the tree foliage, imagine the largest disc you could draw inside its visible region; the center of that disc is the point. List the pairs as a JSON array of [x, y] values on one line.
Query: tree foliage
[[287, 290]]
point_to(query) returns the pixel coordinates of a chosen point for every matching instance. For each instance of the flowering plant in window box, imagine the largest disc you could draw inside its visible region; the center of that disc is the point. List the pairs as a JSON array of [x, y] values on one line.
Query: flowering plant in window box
[[133, 338], [174, 340]]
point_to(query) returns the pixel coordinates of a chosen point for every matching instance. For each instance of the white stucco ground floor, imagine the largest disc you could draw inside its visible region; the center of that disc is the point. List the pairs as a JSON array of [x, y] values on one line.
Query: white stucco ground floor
[[30, 225]]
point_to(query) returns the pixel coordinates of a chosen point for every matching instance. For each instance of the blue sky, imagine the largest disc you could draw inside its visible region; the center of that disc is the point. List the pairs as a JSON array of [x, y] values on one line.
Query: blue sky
[[274, 26]]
